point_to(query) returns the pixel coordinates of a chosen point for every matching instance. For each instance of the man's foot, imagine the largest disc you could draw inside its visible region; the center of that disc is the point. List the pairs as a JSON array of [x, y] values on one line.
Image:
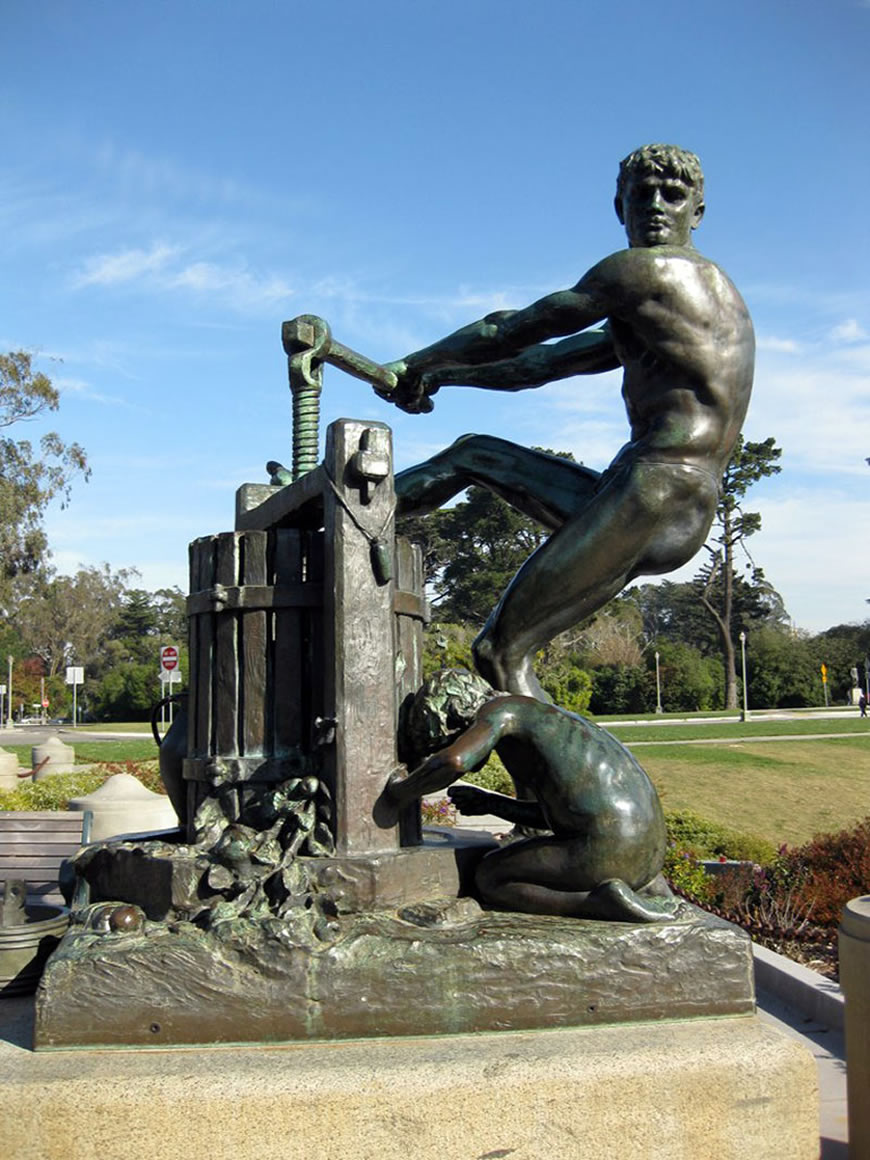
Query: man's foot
[[519, 679]]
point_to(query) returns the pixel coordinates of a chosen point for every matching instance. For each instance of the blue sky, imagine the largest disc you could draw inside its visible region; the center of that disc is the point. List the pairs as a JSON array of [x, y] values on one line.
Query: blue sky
[[178, 178]]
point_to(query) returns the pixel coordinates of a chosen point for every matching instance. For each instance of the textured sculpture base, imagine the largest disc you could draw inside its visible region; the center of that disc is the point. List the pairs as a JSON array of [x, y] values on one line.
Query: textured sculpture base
[[428, 969], [729, 1089]]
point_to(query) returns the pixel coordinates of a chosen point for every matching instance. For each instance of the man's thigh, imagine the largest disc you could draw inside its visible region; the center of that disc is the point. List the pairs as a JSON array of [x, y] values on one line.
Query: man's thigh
[[544, 486]]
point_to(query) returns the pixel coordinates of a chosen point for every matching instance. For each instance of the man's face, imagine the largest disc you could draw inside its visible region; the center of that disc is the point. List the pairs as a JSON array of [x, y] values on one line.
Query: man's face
[[658, 210]]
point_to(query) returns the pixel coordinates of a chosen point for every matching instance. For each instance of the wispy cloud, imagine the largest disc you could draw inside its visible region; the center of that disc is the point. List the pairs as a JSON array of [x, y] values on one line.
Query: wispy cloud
[[161, 268], [125, 266], [782, 345], [85, 390], [851, 330]]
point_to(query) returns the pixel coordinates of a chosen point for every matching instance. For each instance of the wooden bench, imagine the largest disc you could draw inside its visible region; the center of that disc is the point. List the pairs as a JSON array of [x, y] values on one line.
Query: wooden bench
[[33, 843]]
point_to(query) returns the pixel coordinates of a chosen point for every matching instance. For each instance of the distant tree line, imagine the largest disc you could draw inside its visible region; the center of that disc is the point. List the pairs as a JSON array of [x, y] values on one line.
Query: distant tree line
[[607, 664]]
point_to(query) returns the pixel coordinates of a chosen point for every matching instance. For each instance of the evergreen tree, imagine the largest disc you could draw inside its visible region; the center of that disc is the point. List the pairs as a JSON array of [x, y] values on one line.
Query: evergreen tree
[[749, 463]]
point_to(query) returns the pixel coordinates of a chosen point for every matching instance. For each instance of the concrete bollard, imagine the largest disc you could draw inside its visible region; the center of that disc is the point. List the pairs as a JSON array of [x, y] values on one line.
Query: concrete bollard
[[8, 770], [854, 941], [61, 758], [122, 805]]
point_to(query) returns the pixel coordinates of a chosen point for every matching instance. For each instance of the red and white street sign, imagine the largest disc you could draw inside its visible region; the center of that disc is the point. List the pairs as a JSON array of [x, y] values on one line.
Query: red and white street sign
[[168, 658]]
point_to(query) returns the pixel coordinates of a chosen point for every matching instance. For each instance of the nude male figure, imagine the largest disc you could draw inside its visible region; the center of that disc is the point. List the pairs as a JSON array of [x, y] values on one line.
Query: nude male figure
[[682, 334], [604, 854]]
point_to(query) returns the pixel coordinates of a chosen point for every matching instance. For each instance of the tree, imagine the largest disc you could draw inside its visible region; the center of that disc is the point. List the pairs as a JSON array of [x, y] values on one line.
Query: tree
[[749, 463], [68, 619], [29, 477], [472, 551]]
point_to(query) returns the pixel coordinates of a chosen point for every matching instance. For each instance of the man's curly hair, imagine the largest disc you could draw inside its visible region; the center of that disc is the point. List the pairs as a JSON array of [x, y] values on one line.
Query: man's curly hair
[[668, 160]]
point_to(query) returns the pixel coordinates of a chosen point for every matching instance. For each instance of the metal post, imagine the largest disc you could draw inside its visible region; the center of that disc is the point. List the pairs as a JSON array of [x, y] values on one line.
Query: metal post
[[9, 724], [745, 714], [658, 687]]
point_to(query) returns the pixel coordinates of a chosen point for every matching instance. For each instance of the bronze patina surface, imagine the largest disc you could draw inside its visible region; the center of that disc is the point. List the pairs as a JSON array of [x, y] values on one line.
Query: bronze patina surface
[[434, 968], [678, 328], [300, 900]]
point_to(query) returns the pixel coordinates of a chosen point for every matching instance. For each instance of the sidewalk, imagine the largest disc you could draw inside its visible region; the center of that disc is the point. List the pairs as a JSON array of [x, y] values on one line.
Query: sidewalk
[[828, 1049]]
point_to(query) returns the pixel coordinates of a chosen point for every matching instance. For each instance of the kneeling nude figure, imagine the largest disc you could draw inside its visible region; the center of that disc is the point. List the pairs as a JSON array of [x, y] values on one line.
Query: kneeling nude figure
[[604, 856]]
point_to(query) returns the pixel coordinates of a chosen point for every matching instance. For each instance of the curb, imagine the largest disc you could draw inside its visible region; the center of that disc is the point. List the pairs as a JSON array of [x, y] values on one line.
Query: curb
[[805, 991]]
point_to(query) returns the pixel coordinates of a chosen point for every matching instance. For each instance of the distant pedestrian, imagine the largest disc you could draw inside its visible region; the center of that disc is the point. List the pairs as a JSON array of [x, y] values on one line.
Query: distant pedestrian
[[862, 704]]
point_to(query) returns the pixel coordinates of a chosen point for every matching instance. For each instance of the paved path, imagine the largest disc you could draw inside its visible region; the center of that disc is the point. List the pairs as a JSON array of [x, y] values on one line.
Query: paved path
[[828, 1049]]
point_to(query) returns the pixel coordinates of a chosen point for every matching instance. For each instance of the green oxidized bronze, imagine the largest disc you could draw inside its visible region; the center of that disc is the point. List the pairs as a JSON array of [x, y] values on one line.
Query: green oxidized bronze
[[300, 900], [604, 843], [675, 324]]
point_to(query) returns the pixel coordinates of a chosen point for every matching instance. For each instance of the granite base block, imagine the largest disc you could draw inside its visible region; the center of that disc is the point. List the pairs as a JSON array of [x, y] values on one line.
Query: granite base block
[[705, 1089]]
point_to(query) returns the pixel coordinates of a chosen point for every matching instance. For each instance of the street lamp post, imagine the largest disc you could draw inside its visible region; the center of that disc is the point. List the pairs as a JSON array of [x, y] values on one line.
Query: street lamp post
[[9, 724], [744, 716], [658, 687]]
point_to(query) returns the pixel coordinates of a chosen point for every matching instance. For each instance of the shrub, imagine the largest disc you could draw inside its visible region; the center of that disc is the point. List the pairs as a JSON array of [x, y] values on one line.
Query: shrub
[[829, 870], [686, 875], [707, 839], [438, 813], [54, 792], [492, 776]]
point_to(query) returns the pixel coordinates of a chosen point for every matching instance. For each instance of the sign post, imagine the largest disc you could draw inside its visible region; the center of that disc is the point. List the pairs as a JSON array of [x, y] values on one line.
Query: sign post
[[169, 674], [823, 668], [75, 676]]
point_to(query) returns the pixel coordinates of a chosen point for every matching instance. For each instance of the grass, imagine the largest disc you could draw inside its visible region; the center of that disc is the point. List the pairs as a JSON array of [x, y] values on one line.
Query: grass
[[736, 730], [87, 752], [783, 791], [115, 727]]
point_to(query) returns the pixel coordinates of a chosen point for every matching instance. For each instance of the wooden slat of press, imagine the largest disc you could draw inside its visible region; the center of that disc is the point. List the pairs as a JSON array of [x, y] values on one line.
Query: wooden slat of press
[[253, 648], [201, 579], [28, 866], [314, 651], [226, 655], [288, 681], [404, 625]]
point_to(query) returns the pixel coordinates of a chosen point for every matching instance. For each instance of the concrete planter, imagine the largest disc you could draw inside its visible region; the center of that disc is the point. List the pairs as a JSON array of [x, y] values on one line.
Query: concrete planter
[[8, 770], [25, 947], [57, 758], [854, 945], [122, 805]]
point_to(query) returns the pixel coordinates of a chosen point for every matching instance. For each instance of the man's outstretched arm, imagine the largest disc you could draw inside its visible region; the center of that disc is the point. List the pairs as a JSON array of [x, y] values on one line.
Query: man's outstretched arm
[[583, 354], [497, 337]]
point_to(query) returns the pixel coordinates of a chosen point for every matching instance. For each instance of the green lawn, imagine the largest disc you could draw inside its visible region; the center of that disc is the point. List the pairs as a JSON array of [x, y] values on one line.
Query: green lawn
[[115, 727], [780, 790], [87, 752], [765, 727]]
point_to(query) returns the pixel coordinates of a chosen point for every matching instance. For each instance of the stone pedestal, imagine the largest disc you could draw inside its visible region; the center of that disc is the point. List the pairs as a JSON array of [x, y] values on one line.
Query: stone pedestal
[[854, 944], [8, 770], [122, 805], [60, 758], [705, 1089]]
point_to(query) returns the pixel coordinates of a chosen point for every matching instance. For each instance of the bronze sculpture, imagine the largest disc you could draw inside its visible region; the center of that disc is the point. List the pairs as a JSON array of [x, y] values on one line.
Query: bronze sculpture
[[301, 901], [604, 854], [681, 332]]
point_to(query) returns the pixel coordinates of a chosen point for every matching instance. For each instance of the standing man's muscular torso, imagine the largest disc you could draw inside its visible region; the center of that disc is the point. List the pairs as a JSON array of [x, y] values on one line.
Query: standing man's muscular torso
[[684, 338]]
